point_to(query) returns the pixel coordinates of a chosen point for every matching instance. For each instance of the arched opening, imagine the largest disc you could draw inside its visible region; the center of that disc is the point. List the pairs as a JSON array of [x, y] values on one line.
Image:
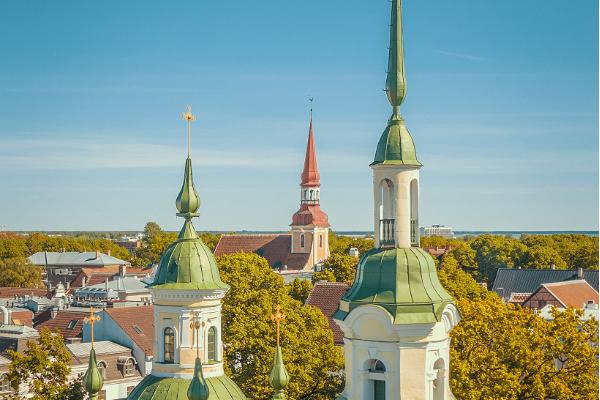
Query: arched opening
[[377, 379], [386, 213], [169, 346], [4, 384], [302, 241], [211, 343], [102, 369], [439, 383], [129, 367], [414, 212]]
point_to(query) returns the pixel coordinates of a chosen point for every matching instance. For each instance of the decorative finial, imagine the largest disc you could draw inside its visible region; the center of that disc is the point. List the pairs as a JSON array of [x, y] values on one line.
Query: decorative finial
[[196, 325], [395, 84], [92, 379], [189, 117], [92, 319], [279, 377], [198, 389], [311, 100], [278, 317]]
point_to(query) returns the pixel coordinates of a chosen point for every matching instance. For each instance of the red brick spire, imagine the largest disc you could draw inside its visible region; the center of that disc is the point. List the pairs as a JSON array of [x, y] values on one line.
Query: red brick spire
[[310, 174]]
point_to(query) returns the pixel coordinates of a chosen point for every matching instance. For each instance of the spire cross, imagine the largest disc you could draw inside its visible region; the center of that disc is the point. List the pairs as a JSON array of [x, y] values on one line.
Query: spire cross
[[92, 319], [195, 325], [278, 317], [189, 117]]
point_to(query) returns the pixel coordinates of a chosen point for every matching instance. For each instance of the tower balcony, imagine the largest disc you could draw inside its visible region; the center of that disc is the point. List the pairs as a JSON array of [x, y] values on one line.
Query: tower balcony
[[310, 202], [386, 232]]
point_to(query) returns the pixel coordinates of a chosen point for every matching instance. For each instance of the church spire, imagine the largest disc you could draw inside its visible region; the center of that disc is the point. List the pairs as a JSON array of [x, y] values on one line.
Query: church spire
[[395, 84], [310, 173]]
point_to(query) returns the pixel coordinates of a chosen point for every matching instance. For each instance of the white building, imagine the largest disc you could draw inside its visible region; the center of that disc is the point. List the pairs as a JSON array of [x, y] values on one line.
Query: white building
[[438, 230]]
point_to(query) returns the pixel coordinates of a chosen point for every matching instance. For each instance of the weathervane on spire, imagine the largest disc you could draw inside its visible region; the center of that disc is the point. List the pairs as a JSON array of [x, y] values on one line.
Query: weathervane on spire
[[278, 317], [189, 117], [195, 325], [311, 100], [92, 319]]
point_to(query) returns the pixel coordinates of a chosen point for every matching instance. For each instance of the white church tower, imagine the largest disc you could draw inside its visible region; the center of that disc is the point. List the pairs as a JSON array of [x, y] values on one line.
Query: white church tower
[[396, 316]]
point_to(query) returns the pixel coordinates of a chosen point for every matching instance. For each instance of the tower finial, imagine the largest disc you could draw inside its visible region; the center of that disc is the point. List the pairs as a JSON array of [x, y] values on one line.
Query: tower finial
[[92, 379], [189, 117], [311, 100], [92, 319], [395, 84], [279, 377]]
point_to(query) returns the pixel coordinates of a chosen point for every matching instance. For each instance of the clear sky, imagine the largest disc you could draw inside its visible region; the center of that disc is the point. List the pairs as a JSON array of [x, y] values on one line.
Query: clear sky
[[502, 104]]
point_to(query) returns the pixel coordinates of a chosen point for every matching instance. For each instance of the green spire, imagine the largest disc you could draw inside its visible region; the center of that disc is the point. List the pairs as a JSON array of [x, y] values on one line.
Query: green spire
[[198, 389], [93, 379], [188, 201], [396, 146], [279, 377], [395, 84]]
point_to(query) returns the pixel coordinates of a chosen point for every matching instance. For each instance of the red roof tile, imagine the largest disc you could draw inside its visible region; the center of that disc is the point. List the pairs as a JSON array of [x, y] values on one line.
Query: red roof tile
[[11, 292], [573, 293], [137, 323], [274, 248], [310, 215], [22, 317], [326, 296], [69, 323]]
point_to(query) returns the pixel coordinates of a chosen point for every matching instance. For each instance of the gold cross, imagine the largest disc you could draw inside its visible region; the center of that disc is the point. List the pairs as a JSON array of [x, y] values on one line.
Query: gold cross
[[195, 324], [92, 319], [189, 117], [278, 317]]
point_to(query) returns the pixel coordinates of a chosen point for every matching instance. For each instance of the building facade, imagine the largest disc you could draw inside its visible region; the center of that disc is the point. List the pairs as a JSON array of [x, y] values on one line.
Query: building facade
[[396, 316]]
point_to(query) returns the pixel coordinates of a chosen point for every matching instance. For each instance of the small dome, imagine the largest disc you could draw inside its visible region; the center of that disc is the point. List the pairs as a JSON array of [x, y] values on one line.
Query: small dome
[[188, 264], [155, 388], [396, 146], [403, 281]]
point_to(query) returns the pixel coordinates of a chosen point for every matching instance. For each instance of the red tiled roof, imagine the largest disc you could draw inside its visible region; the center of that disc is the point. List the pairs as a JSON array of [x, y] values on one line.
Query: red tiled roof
[[572, 293], [94, 276], [137, 323], [276, 249], [62, 321], [310, 174], [326, 296], [11, 292], [310, 214], [25, 317]]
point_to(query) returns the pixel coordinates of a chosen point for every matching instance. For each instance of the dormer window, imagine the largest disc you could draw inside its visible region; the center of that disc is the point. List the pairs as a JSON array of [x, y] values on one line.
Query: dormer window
[[302, 241]]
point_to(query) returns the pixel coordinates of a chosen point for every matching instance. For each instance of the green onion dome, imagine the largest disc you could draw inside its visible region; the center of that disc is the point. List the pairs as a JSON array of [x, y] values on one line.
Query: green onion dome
[[198, 389], [403, 281], [92, 379], [279, 377], [156, 388], [396, 145]]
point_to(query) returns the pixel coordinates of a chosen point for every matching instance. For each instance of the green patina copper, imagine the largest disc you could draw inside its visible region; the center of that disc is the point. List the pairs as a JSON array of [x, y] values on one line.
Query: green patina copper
[[279, 377], [404, 282], [396, 146], [156, 388], [93, 379], [188, 264], [198, 389]]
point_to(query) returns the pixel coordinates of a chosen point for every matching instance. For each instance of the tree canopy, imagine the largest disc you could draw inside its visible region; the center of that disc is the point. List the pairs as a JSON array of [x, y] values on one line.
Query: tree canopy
[[312, 360], [17, 272]]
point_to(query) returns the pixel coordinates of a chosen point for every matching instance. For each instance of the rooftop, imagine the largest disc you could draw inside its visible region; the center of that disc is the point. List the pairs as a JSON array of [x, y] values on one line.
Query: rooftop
[[326, 296], [74, 258], [102, 347], [137, 323], [573, 293]]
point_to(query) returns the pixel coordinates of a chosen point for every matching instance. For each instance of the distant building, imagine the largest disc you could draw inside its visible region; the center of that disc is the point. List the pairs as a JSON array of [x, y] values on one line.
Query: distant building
[[122, 288], [307, 245], [516, 285], [64, 266], [132, 244], [437, 230], [326, 296], [69, 322], [577, 294]]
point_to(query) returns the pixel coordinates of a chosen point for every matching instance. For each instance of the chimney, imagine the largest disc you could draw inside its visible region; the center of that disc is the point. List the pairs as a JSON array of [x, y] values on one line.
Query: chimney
[[97, 254], [579, 273], [122, 270], [106, 287], [53, 312], [553, 267], [83, 279], [108, 252], [68, 285]]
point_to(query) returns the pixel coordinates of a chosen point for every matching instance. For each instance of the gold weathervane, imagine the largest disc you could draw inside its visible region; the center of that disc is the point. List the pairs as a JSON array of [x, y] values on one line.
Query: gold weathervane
[[189, 117], [196, 325], [278, 317], [92, 319]]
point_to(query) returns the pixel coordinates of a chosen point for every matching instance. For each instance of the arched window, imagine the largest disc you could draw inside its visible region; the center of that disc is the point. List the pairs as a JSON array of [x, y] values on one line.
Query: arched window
[[212, 344], [320, 240], [439, 383], [302, 241], [169, 346], [102, 369], [387, 216], [377, 369], [4, 384], [414, 212], [129, 368]]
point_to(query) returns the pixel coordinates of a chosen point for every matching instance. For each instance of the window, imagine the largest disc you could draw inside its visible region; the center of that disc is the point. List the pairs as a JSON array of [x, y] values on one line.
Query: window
[[377, 367], [169, 346], [4, 384], [320, 240], [129, 368], [302, 241], [72, 324], [212, 344], [102, 369]]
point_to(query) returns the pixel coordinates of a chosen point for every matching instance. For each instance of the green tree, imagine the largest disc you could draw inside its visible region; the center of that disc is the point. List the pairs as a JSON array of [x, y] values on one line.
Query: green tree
[[342, 266], [210, 239], [493, 252], [299, 289], [324, 275], [341, 244], [542, 257], [155, 243], [44, 368], [312, 360], [12, 245], [459, 283], [17, 272]]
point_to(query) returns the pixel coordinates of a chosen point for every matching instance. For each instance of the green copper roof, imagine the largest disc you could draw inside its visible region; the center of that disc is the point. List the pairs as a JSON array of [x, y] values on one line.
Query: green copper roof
[[279, 377], [396, 146], [188, 264], [93, 379], [155, 388], [402, 281], [198, 390]]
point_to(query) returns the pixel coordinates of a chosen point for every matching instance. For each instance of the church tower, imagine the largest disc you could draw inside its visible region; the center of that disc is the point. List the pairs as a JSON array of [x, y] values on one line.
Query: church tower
[[310, 226], [396, 316], [187, 292]]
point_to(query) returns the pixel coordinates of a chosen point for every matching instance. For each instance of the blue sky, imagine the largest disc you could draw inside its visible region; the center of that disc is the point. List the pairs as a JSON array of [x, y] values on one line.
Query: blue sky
[[502, 104]]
